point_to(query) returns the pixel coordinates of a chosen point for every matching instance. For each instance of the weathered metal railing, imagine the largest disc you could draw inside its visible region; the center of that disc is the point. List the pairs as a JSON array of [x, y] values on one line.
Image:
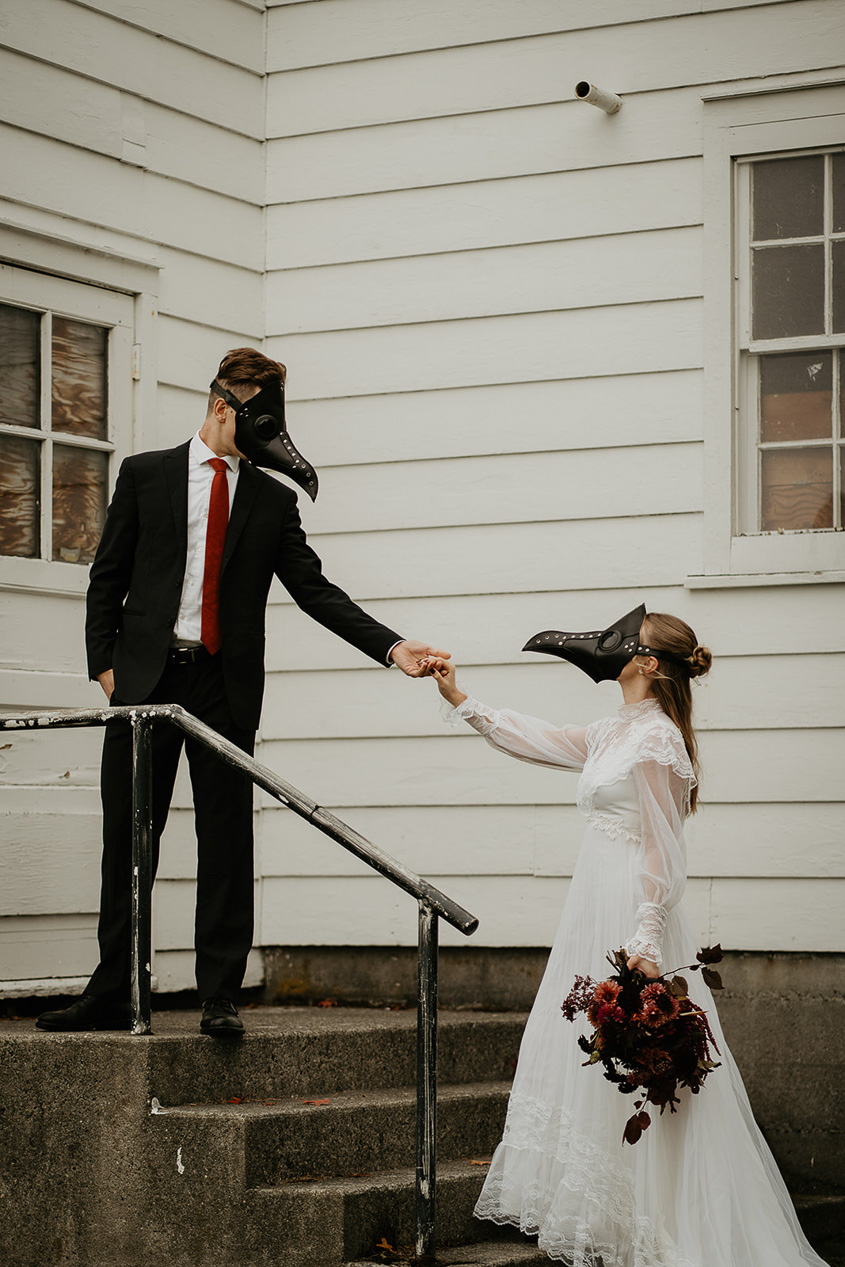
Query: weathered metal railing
[[433, 905]]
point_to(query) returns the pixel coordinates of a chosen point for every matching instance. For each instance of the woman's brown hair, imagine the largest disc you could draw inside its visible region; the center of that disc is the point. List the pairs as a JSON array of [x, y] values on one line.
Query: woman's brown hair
[[671, 684]]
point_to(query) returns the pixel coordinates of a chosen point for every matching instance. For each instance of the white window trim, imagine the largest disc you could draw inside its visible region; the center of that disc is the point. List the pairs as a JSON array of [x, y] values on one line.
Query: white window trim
[[749, 124], [42, 268]]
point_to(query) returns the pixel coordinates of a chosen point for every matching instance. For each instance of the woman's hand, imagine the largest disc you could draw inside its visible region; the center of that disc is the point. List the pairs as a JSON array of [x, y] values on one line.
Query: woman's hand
[[443, 672], [646, 966]]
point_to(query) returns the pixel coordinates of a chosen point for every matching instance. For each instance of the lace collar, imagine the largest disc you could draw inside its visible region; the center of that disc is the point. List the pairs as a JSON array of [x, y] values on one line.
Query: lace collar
[[649, 705]]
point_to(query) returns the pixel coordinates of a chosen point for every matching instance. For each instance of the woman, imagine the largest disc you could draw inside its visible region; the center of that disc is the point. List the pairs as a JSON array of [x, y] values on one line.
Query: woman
[[700, 1188]]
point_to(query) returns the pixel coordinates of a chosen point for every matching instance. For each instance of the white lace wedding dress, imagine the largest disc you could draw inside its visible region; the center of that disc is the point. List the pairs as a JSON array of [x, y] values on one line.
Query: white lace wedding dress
[[700, 1189]]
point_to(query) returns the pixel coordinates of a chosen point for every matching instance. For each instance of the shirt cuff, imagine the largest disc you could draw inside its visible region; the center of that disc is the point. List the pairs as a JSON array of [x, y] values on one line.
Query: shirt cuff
[[390, 664]]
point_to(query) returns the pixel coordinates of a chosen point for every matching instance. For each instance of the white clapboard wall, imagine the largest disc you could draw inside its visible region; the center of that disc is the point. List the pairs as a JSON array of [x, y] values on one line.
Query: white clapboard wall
[[490, 300], [130, 134]]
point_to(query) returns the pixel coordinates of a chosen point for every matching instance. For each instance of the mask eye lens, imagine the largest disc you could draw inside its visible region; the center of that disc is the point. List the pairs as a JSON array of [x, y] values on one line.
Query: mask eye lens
[[610, 640], [266, 427]]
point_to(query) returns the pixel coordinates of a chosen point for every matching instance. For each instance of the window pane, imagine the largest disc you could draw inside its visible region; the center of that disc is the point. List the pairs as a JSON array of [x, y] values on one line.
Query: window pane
[[79, 502], [787, 291], [838, 193], [20, 479], [788, 198], [796, 396], [838, 250], [79, 378], [797, 488], [20, 343]]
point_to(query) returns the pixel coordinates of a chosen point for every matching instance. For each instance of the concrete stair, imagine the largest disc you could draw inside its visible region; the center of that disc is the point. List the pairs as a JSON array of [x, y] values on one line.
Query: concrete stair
[[293, 1147]]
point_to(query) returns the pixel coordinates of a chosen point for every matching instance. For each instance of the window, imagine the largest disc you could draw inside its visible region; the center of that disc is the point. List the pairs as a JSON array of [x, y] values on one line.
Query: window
[[54, 446], [65, 363], [774, 318], [792, 329]]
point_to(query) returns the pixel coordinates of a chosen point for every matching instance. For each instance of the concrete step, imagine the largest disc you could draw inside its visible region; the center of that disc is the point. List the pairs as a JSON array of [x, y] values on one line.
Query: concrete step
[[328, 1221], [822, 1216], [344, 1134], [316, 1052], [487, 1254]]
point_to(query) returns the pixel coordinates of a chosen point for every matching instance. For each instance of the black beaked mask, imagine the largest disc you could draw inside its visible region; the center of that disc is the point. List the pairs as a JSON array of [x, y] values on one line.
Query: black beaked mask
[[601, 654], [261, 434]]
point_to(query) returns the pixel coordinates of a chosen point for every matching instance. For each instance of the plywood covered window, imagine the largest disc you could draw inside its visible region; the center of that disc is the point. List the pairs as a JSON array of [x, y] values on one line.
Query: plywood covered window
[[792, 332], [57, 434]]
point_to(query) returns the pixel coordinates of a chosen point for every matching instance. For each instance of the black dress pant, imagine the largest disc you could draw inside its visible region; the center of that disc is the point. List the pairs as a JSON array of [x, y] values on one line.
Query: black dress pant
[[223, 817]]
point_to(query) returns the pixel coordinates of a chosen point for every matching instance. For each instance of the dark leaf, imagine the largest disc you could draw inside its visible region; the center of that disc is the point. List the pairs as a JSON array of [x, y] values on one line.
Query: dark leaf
[[644, 1121], [632, 1131], [712, 978], [710, 954], [678, 987]]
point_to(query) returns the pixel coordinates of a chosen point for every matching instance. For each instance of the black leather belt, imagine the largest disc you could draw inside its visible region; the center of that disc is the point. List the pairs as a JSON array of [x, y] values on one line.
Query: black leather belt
[[187, 655]]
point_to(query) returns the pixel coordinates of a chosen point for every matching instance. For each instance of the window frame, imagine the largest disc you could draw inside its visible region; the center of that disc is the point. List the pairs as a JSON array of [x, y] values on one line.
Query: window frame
[[42, 270], [739, 128]]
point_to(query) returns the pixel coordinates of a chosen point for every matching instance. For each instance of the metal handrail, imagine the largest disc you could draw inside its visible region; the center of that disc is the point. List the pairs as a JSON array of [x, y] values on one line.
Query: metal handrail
[[433, 904]]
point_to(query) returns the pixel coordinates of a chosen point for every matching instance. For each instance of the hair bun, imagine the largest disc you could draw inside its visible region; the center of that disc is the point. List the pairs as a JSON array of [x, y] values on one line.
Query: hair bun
[[700, 661]]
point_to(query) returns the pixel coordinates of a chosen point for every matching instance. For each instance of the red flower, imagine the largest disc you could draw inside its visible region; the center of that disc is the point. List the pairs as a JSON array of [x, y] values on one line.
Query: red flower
[[658, 1007]]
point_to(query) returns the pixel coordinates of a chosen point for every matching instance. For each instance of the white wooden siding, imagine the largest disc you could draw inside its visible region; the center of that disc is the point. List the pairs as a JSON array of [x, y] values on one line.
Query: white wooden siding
[[489, 299], [135, 131]]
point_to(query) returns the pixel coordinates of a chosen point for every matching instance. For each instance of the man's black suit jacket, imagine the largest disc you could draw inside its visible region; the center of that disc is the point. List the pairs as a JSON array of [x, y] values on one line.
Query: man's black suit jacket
[[136, 580]]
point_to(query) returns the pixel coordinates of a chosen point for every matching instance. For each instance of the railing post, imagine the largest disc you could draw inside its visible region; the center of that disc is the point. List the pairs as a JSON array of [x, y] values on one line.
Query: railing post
[[142, 871], [426, 1083]]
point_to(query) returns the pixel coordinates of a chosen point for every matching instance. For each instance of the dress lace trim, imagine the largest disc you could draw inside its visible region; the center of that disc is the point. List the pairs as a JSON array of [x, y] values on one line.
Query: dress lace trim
[[648, 939], [592, 1177], [640, 732], [483, 719], [613, 826]]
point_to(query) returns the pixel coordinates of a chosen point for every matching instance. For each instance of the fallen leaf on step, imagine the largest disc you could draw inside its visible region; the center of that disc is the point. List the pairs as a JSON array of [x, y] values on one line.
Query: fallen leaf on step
[[236, 1099], [327, 1003], [316, 1101], [384, 1245], [479, 1163]]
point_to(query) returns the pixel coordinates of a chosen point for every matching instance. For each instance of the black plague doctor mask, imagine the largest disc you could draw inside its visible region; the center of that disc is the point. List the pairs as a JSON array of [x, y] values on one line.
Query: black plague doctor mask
[[602, 654], [261, 434]]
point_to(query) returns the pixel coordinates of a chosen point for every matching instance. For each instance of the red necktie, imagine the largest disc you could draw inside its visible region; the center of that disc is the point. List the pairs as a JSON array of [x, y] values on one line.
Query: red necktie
[[215, 539]]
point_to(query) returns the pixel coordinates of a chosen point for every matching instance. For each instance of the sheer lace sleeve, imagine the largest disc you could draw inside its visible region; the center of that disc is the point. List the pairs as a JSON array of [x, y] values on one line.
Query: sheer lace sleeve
[[663, 795], [523, 737]]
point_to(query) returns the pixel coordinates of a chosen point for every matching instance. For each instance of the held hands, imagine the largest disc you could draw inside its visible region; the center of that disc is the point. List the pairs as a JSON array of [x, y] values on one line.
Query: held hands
[[413, 657], [443, 672]]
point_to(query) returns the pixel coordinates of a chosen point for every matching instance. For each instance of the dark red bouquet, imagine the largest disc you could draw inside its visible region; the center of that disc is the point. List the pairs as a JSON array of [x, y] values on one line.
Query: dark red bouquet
[[647, 1033]]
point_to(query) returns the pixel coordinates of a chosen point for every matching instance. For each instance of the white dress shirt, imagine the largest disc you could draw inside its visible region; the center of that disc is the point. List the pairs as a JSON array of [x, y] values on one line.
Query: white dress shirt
[[188, 628]]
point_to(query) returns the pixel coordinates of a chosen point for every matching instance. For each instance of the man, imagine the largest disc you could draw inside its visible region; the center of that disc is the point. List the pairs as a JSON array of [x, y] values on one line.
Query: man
[[175, 614]]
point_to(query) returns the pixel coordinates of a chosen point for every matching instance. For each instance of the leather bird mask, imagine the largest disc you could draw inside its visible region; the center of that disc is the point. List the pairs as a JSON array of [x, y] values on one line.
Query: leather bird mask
[[261, 434]]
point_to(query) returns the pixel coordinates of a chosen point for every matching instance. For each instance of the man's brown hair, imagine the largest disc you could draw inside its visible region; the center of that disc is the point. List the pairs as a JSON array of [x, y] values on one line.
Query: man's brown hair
[[246, 367]]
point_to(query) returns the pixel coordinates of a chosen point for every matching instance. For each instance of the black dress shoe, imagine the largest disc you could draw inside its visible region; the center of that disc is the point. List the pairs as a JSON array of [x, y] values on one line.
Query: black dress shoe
[[220, 1019], [88, 1012]]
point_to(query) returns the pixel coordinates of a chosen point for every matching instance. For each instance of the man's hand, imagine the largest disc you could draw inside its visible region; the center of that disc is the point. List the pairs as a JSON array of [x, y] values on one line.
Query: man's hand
[[411, 657], [106, 681]]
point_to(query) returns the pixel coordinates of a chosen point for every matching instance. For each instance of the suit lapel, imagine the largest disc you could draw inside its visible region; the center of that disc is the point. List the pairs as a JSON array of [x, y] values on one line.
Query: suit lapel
[[245, 494], [176, 474]]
